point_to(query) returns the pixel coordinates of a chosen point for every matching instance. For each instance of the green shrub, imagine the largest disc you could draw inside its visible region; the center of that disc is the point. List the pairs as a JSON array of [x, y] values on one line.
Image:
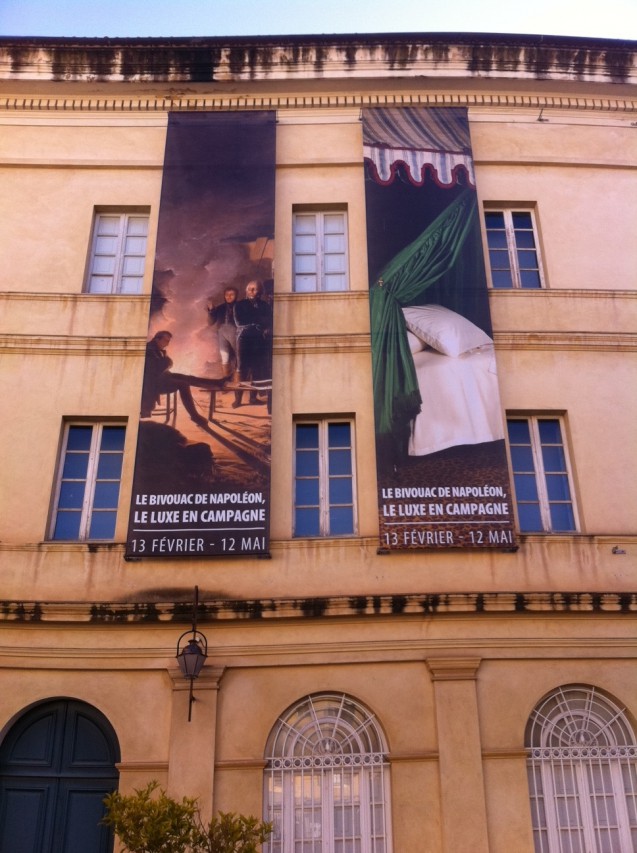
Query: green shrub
[[149, 821]]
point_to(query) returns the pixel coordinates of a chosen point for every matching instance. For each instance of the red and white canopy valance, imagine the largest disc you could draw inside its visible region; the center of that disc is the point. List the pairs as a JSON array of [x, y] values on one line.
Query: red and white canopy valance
[[421, 140]]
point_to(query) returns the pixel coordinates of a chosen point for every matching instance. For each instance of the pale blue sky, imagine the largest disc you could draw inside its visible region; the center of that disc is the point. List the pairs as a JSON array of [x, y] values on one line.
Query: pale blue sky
[[605, 19]]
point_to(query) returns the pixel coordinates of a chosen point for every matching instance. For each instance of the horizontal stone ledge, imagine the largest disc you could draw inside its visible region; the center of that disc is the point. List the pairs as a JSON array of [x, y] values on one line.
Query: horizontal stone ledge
[[361, 606]]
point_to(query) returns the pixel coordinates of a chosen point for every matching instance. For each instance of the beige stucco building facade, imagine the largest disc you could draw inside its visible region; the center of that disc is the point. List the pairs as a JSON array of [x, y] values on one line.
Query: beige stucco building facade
[[445, 654]]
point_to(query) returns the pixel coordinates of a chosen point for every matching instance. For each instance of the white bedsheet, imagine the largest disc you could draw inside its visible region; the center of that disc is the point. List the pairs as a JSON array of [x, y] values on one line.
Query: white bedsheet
[[460, 400]]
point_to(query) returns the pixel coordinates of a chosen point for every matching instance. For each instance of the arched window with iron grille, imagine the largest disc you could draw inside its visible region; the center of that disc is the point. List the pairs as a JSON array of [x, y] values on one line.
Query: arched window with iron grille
[[326, 779], [582, 770]]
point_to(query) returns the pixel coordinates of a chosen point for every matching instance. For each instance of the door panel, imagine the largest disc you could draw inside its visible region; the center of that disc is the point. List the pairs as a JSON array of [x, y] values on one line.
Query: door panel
[[26, 815], [57, 764]]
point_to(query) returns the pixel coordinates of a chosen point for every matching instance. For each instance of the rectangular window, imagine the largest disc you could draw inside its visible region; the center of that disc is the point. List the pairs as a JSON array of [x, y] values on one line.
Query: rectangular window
[[514, 254], [118, 253], [324, 479], [87, 491], [541, 475], [320, 251]]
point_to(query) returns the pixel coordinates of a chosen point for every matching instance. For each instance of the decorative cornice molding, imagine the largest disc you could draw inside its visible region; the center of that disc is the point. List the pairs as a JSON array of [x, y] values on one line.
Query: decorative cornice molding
[[211, 103]]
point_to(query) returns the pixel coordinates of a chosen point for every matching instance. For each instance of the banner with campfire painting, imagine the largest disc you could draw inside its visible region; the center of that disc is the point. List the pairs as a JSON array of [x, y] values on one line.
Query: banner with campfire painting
[[202, 470]]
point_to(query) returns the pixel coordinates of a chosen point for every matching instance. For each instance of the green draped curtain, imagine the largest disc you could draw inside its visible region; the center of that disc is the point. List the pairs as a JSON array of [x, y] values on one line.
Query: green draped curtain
[[430, 258]]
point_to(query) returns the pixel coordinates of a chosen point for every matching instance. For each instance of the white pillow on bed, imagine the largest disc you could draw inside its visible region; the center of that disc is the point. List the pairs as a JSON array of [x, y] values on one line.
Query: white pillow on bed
[[415, 344], [444, 330]]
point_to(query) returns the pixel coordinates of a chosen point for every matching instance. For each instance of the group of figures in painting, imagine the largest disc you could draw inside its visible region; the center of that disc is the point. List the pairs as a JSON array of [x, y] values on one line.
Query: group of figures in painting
[[244, 333]]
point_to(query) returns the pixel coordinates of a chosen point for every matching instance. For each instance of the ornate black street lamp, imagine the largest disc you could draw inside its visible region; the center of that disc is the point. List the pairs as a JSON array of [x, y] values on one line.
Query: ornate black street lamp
[[192, 652]]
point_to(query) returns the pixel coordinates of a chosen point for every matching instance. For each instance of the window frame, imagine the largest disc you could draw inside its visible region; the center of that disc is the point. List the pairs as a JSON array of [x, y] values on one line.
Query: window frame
[[90, 479], [508, 211], [125, 216], [323, 422], [320, 213], [544, 502], [581, 750]]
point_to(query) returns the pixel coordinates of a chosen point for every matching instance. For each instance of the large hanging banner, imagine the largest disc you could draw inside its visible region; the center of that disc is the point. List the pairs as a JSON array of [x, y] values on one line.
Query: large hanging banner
[[442, 467], [202, 471]]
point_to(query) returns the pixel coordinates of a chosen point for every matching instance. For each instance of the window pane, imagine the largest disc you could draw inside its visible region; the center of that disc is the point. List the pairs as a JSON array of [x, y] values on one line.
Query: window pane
[[527, 260], [101, 285], [307, 463], [522, 459], [307, 492], [334, 223], [340, 490], [305, 224], [138, 225], [104, 265], [304, 264], [519, 432], [334, 264], [530, 519], [71, 494], [501, 278], [339, 435], [135, 246], [340, 462], [133, 266], [102, 525], [497, 240], [499, 259], [530, 279], [106, 495], [522, 219], [553, 459], [75, 466], [305, 284], [306, 435], [494, 219], [79, 438], [131, 284], [113, 438], [106, 246], [306, 522], [334, 244], [524, 240], [108, 224], [525, 487], [562, 517], [557, 487], [67, 525], [550, 432], [335, 283], [341, 520]]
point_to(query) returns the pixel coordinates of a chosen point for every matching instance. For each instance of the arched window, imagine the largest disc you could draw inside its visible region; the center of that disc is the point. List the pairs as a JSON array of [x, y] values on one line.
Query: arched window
[[582, 768], [326, 780]]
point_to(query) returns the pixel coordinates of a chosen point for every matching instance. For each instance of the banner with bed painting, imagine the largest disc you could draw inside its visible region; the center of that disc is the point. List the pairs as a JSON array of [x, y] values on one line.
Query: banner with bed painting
[[201, 484], [442, 468]]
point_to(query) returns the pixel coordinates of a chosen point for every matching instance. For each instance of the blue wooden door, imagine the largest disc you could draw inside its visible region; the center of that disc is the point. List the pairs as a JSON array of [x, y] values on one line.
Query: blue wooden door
[[57, 764]]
